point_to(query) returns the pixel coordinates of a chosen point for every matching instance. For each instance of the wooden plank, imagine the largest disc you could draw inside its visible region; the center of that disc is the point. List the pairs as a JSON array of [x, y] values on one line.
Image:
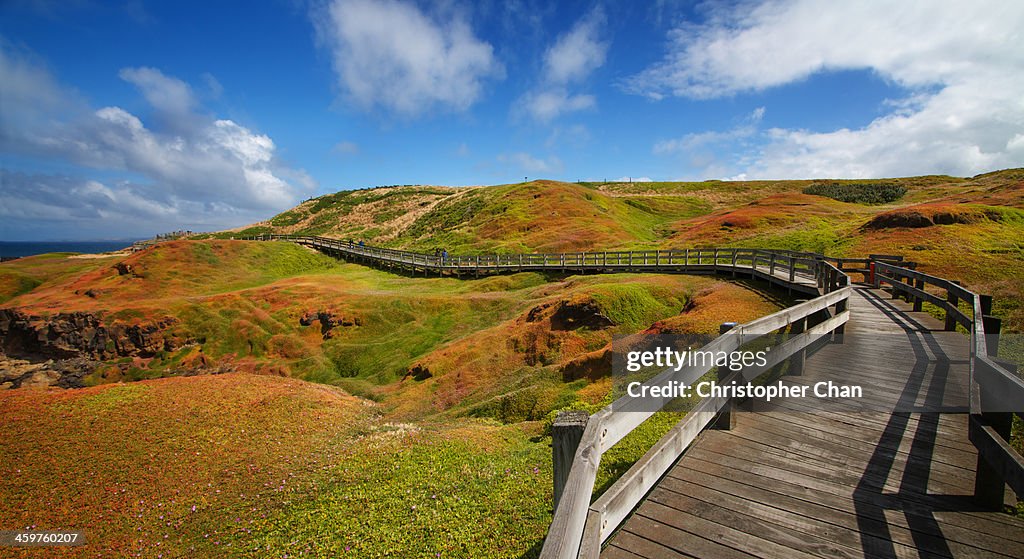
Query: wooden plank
[[832, 470], [682, 541], [794, 497], [736, 532], [798, 533], [809, 488], [647, 548], [616, 552], [867, 530], [949, 437], [861, 440]]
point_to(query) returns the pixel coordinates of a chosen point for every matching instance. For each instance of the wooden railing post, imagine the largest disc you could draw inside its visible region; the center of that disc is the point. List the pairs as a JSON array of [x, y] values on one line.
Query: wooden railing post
[[566, 433], [837, 334], [796, 361], [989, 485], [953, 303], [919, 284], [992, 326], [726, 419]]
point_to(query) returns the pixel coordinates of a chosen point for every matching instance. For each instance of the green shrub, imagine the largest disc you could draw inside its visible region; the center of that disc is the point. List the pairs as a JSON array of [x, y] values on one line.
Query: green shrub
[[858, 193]]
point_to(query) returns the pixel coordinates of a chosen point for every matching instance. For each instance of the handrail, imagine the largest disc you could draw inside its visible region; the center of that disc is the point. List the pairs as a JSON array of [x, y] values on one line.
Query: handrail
[[996, 393], [578, 528], [765, 263]]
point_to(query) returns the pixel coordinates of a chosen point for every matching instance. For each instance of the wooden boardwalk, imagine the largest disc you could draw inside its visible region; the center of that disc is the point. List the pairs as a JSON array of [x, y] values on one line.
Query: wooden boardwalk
[[838, 482], [912, 468]]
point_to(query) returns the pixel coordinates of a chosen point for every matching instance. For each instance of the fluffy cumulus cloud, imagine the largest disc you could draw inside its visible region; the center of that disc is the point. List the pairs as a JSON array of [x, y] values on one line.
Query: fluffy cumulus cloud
[[569, 61], [392, 55], [959, 62], [128, 176]]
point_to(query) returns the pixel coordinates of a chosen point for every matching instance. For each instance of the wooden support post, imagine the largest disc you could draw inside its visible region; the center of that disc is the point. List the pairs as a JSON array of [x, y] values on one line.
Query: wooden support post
[[566, 433], [986, 304], [919, 284], [726, 419], [989, 486], [796, 361], [837, 334], [992, 326], [952, 301]]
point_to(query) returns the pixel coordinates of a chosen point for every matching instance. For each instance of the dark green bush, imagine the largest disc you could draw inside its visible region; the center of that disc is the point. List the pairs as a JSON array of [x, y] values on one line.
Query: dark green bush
[[858, 193]]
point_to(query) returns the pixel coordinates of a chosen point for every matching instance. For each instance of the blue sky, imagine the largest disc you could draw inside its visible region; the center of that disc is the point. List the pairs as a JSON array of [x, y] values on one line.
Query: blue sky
[[126, 119]]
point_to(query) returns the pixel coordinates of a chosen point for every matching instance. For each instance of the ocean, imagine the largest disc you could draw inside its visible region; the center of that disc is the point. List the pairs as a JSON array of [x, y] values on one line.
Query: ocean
[[17, 249]]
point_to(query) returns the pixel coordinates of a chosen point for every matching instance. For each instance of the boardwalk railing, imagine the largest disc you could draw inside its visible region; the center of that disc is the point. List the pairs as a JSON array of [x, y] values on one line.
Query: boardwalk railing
[[806, 272], [579, 528], [997, 392]]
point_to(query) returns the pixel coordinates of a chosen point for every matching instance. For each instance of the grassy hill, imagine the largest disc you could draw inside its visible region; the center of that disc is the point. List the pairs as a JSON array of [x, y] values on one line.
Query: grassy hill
[[395, 414], [964, 228]]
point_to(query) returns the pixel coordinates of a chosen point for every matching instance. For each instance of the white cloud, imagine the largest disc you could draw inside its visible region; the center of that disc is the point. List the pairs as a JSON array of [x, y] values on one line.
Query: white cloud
[[393, 55], [547, 104], [956, 60], [200, 170], [163, 93], [577, 53], [525, 162], [695, 140], [633, 179], [571, 59]]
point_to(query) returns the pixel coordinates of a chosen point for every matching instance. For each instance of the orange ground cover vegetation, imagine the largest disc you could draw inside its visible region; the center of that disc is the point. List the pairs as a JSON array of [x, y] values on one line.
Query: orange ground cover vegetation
[[169, 466]]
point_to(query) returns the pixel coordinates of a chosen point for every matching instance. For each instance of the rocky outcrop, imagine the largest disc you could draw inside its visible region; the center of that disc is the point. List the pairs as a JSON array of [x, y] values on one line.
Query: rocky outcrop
[[571, 315], [62, 349], [82, 334], [419, 372], [125, 269], [329, 320]]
